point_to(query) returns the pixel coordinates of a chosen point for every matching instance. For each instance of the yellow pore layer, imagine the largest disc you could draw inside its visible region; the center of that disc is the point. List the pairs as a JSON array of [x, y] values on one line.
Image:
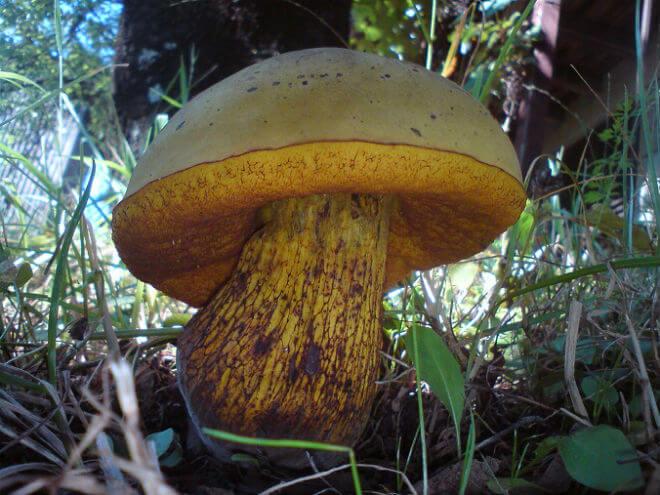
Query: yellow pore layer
[[184, 233]]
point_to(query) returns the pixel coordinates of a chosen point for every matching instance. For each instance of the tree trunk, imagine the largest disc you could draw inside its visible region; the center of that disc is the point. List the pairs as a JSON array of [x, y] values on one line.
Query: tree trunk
[[155, 36]]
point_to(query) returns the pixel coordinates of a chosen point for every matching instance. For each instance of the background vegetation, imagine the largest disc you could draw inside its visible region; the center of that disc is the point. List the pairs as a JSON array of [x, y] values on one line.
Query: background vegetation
[[536, 361]]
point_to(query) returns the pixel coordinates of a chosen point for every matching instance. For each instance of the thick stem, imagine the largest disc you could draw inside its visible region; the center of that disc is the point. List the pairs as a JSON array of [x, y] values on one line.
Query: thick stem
[[288, 348]]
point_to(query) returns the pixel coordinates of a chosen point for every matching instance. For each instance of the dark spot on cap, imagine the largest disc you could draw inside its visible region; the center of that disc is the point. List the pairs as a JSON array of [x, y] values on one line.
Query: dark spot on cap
[[312, 359], [300, 76], [434, 116], [290, 85], [387, 76], [325, 74], [276, 83], [372, 67], [416, 132], [415, 69], [451, 108], [210, 124], [305, 83], [183, 122], [253, 88], [339, 74]]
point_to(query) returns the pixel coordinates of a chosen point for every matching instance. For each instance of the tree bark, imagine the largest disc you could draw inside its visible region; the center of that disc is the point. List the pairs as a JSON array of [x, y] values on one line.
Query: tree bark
[[155, 36]]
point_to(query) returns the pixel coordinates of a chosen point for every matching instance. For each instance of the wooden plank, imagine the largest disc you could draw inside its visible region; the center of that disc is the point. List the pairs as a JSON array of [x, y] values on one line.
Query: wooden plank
[[597, 36], [622, 79], [533, 109]]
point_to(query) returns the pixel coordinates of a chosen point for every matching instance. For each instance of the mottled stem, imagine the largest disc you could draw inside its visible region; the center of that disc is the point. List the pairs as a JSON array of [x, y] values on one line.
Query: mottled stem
[[288, 348]]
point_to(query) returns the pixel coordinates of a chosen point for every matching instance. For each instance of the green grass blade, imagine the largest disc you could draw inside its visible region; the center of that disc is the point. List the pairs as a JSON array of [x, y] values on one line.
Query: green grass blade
[[642, 262], [420, 413], [14, 78], [291, 444], [469, 457], [58, 279], [484, 91]]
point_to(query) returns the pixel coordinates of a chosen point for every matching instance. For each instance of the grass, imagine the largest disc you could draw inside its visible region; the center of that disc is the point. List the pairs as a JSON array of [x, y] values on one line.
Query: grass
[[292, 444], [561, 298]]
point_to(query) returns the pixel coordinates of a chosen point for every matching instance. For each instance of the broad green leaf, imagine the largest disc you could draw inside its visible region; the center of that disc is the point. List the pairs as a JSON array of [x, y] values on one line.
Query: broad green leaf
[[599, 390], [171, 460], [438, 367], [586, 349], [23, 275], [601, 457], [167, 446], [162, 440]]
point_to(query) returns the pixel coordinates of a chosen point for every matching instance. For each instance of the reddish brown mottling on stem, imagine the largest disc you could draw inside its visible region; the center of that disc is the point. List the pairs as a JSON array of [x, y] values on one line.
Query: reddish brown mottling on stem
[[251, 365]]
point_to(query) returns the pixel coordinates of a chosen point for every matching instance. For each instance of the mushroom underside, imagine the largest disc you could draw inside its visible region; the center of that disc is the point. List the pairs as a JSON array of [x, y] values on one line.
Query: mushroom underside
[[183, 233], [288, 347]]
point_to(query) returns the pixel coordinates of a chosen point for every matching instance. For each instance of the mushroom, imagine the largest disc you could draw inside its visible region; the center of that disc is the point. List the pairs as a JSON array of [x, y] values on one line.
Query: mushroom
[[284, 200]]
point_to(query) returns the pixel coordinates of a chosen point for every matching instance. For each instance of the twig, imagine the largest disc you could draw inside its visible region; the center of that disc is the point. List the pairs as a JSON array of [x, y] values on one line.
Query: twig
[[321, 20], [574, 312], [143, 466], [575, 417], [90, 242], [76, 481], [96, 427], [521, 423], [648, 396], [111, 472], [286, 484], [644, 380]]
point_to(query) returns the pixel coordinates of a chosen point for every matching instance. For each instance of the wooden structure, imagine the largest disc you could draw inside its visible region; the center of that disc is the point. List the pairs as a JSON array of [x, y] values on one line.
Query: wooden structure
[[34, 136], [584, 66]]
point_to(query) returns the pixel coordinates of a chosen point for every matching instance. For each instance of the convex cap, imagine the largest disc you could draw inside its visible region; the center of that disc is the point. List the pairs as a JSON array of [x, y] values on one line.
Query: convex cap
[[308, 122]]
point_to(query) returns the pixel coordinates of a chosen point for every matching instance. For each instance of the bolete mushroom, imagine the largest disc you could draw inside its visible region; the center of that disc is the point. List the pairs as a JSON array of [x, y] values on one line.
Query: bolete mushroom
[[284, 200]]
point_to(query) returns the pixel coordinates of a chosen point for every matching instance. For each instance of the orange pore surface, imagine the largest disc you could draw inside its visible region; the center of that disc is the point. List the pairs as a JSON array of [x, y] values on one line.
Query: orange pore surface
[[184, 233]]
